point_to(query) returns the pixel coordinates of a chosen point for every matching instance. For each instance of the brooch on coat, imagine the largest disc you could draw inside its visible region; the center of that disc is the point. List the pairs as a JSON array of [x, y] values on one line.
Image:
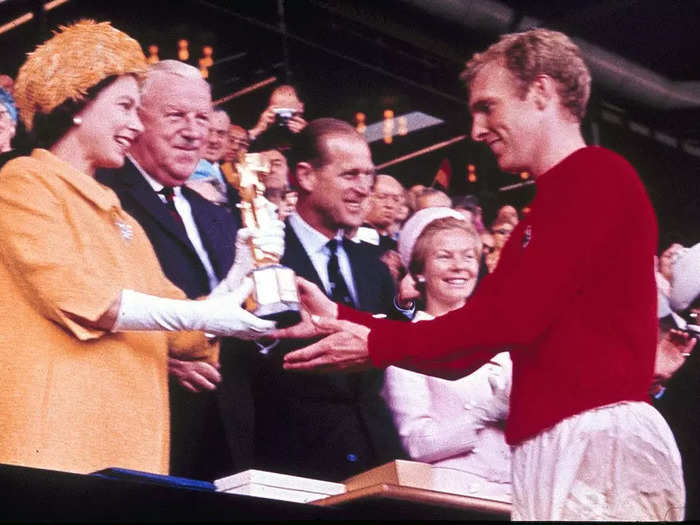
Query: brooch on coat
[[125, 229]]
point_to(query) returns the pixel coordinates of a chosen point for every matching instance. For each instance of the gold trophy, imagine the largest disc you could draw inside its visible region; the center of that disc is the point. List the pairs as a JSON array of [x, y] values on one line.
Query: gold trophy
[[274, 295]]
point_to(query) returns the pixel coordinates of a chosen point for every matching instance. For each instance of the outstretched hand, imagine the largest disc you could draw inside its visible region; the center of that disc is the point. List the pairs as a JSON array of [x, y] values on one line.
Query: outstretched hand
[[345, 349], [314, 304]]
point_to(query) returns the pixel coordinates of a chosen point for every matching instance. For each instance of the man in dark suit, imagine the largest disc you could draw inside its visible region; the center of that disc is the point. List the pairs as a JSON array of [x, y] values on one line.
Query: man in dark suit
[[194, 240], [337, 425]]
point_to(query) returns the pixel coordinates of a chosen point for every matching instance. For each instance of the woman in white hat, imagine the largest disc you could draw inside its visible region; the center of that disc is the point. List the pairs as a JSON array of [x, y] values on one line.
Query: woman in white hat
[[455, 425]]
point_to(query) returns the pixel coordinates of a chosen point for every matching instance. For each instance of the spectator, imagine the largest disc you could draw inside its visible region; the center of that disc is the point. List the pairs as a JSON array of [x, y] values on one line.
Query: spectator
[[92, 393], [673, 349], [402, 214], [238, 144], [334, 426], [664, 276], [194, 240], [276, 182], [679, 400], [384, 206], [431, 197], [685, 287], [501, 231], [455, 425], [468, 206], [7, 83], [235, 154], [413, 192], [284, 198], [207, 179], [283, 117], [507, 213], [8, 120], [278, 174]]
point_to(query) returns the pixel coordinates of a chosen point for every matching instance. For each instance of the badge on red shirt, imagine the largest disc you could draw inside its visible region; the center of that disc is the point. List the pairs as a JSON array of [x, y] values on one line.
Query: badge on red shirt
[[527, 236]]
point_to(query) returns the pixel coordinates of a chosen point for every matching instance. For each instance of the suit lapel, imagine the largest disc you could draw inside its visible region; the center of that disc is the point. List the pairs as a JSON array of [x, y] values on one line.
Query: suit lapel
[[357, 262], [217, 237], [296, 258], [144, 197]]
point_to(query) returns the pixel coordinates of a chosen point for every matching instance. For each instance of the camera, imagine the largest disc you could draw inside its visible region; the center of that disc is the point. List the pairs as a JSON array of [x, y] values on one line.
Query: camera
[[282, 115]]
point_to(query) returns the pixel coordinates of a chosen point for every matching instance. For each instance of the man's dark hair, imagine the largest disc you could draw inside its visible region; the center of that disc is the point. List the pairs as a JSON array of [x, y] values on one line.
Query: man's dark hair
[[309, 144]]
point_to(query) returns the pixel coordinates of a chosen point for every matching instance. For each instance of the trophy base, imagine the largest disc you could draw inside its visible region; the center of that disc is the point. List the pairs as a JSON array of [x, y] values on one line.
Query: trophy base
[[284, 318], [275, 295]]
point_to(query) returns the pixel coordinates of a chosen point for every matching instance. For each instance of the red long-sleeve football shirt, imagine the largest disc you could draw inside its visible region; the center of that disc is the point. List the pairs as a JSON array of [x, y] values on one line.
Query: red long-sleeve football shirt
[[573, 297]]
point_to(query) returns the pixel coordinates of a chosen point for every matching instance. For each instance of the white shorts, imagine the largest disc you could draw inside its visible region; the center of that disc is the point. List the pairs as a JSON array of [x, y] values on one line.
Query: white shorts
[[619, 462]]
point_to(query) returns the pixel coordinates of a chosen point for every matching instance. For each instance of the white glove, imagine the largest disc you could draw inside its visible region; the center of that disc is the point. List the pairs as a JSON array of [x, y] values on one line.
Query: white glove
[[221, 315], [270, 239]]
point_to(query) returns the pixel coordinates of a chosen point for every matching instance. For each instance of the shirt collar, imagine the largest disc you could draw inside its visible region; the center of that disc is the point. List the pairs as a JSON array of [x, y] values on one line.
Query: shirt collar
[[153, 183], [311, 239]]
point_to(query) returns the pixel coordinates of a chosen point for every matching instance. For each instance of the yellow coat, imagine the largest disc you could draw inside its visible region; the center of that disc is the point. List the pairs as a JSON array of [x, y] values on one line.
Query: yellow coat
[[74, 398]]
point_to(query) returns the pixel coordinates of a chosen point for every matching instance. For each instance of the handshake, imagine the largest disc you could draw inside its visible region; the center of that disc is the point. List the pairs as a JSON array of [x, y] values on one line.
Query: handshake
[[220, 313]]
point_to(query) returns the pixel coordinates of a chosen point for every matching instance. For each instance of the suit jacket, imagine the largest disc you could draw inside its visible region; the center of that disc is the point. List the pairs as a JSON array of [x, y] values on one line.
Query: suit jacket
[[329, 426], [198, 443], [180, 262]]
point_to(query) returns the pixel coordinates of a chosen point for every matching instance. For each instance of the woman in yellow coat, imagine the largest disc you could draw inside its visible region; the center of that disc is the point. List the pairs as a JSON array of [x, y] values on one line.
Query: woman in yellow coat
[[85, 305]]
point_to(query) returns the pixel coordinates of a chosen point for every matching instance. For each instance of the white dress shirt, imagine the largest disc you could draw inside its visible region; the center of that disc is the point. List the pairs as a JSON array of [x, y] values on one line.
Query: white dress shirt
[[183, 207], [314, 243]]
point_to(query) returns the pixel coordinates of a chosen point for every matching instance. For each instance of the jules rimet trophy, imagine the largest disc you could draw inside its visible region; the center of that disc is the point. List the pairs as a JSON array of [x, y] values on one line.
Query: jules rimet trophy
[[275, 296]]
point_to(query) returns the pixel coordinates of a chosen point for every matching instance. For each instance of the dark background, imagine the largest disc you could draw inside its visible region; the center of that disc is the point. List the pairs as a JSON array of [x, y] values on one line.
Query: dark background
[[347, 56]]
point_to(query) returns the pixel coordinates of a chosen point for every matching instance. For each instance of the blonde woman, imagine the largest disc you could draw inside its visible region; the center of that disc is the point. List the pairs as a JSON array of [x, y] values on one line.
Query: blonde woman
[[455, 425]]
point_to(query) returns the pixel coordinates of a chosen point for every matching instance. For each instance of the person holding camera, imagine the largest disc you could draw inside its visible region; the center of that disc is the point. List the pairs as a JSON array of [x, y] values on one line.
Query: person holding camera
[[283, 117]]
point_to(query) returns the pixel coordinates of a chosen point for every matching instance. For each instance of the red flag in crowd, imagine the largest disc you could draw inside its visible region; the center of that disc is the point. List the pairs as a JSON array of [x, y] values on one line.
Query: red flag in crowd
[[442, 177]]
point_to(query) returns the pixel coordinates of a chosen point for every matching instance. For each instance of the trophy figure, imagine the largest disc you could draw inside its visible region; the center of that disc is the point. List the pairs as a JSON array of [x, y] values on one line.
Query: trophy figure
[[274, 295]]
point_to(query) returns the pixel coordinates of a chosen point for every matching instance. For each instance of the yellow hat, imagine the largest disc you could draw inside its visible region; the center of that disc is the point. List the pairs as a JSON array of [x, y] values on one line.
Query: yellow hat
[[76, 58]]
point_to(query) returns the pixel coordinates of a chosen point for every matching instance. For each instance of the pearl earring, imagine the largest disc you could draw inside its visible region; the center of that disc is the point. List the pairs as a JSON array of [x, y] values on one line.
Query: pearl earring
[[420, 279], [77, 121]]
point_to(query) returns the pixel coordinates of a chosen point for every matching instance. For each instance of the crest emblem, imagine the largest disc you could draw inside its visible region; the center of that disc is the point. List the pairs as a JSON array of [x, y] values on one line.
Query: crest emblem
[[527, 236]]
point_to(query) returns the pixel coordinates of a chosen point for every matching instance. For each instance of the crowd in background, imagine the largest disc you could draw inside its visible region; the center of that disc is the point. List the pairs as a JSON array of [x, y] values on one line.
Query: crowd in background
[[420, 248]]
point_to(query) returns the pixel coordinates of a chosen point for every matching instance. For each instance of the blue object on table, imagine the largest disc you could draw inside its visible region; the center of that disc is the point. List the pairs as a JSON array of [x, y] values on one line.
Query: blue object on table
[[154, 479]]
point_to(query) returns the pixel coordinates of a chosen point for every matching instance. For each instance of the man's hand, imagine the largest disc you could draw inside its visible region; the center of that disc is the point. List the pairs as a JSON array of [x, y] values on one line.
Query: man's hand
[[671, 353], [344, 350], [195, 376], [296, 123], [267, 117]]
